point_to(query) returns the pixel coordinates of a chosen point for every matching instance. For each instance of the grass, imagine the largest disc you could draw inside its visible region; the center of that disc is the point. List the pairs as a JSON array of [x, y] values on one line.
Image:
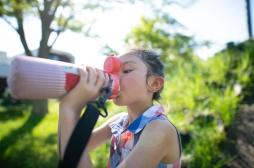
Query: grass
[[29, 140]]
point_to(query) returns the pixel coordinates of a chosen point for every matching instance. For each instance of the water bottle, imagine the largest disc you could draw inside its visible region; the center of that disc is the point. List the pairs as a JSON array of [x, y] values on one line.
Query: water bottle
[[34, 78]]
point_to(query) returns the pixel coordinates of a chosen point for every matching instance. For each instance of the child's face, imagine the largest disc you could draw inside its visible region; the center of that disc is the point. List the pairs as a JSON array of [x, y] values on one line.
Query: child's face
[[133, 83]]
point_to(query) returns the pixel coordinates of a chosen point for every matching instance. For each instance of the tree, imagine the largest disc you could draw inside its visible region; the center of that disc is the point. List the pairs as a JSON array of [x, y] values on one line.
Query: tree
[[53, 22], [55, 16], [162, 34], [249, 21], [165, 34]]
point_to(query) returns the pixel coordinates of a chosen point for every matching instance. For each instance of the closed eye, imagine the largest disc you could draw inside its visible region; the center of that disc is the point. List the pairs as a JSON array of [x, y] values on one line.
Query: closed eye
[[127, 71]]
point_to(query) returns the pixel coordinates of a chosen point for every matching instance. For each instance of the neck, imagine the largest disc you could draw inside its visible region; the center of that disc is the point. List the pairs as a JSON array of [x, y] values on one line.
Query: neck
[[135, 110]]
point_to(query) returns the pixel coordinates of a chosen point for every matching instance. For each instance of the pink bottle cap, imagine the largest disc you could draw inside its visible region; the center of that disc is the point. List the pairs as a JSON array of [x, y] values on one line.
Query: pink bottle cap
[[112, 65]]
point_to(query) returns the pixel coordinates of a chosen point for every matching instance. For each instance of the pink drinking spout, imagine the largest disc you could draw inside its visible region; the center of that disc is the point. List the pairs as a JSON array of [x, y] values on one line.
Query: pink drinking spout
[[112, 66]]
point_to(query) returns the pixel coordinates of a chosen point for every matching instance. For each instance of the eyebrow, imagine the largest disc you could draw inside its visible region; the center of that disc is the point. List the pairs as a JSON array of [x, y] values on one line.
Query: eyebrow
[[128, 62]]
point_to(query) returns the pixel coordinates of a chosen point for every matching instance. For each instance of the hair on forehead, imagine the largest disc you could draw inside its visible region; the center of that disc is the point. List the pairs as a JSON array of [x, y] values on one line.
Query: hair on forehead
[[150, 58]]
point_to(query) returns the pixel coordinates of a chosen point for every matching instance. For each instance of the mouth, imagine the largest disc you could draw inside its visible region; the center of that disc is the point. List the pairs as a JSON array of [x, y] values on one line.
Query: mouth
[[118, 95], [115, 96]]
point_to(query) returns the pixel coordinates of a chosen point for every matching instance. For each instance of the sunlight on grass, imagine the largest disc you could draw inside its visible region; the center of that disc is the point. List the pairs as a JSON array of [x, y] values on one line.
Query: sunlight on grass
[[11, 124], [30, 138], [49, 123]]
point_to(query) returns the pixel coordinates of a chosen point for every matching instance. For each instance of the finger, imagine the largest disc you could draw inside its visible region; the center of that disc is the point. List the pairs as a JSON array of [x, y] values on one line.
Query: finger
[[100, 80], [106, 75], [92, 76], [88, 70], [83, 75]]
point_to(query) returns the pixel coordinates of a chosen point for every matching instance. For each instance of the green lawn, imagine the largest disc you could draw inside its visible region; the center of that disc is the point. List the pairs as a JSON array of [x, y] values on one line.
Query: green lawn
[[29, 140], [26, 139]]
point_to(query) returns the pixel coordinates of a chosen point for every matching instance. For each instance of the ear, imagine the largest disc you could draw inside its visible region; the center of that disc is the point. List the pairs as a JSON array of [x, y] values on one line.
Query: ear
[[155, 83]]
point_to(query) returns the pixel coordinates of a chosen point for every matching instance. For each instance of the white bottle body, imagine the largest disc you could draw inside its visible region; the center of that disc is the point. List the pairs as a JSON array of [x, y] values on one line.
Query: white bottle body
[[38, 78]]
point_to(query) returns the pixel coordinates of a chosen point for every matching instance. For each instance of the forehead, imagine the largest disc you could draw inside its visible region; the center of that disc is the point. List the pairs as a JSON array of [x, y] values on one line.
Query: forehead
[[130, 58], [133, 60]]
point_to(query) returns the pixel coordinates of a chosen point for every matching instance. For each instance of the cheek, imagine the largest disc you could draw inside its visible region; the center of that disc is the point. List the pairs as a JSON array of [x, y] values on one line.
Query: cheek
[[133, 88], [133, 83]]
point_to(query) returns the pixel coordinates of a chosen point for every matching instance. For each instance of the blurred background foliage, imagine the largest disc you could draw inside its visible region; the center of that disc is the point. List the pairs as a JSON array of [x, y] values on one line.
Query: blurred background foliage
[[202, 97]]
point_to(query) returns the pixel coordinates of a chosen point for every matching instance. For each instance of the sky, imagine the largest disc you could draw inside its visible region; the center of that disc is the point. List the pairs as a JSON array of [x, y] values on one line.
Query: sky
[[218, 21]]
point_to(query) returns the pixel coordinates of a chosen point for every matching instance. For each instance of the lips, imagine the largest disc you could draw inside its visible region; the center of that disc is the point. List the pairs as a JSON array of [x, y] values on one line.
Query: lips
[[118, 95]]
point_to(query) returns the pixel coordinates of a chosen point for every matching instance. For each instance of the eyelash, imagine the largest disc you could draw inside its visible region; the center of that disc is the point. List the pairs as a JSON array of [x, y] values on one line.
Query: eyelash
[[127, 71]]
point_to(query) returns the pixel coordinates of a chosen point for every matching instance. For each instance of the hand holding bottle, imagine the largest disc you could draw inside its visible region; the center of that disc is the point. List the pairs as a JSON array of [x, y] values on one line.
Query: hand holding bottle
[[88, 88]]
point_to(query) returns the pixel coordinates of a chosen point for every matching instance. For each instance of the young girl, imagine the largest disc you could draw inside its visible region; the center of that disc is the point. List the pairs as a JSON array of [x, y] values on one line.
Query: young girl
[[143, 137]]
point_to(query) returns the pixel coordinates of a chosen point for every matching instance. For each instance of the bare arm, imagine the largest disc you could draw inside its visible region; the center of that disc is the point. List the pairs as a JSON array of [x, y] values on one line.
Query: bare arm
[[91, 81], [99, 136], [157, 142]]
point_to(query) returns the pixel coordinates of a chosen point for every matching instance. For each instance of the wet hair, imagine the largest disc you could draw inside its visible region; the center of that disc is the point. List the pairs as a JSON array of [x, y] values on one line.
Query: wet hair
[[153, 64]]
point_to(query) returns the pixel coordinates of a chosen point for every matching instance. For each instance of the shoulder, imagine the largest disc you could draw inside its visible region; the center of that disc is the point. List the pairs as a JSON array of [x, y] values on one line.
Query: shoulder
[[154, 145], [161, 131], [162, 135]]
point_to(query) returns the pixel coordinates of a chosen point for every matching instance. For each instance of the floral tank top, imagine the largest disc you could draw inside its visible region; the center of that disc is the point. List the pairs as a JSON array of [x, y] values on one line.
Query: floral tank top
[[125, 136]]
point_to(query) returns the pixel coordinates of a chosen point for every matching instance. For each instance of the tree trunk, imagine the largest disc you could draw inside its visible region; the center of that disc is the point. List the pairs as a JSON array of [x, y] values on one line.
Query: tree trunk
[[22, 37], [249, 19], [40, 107]]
